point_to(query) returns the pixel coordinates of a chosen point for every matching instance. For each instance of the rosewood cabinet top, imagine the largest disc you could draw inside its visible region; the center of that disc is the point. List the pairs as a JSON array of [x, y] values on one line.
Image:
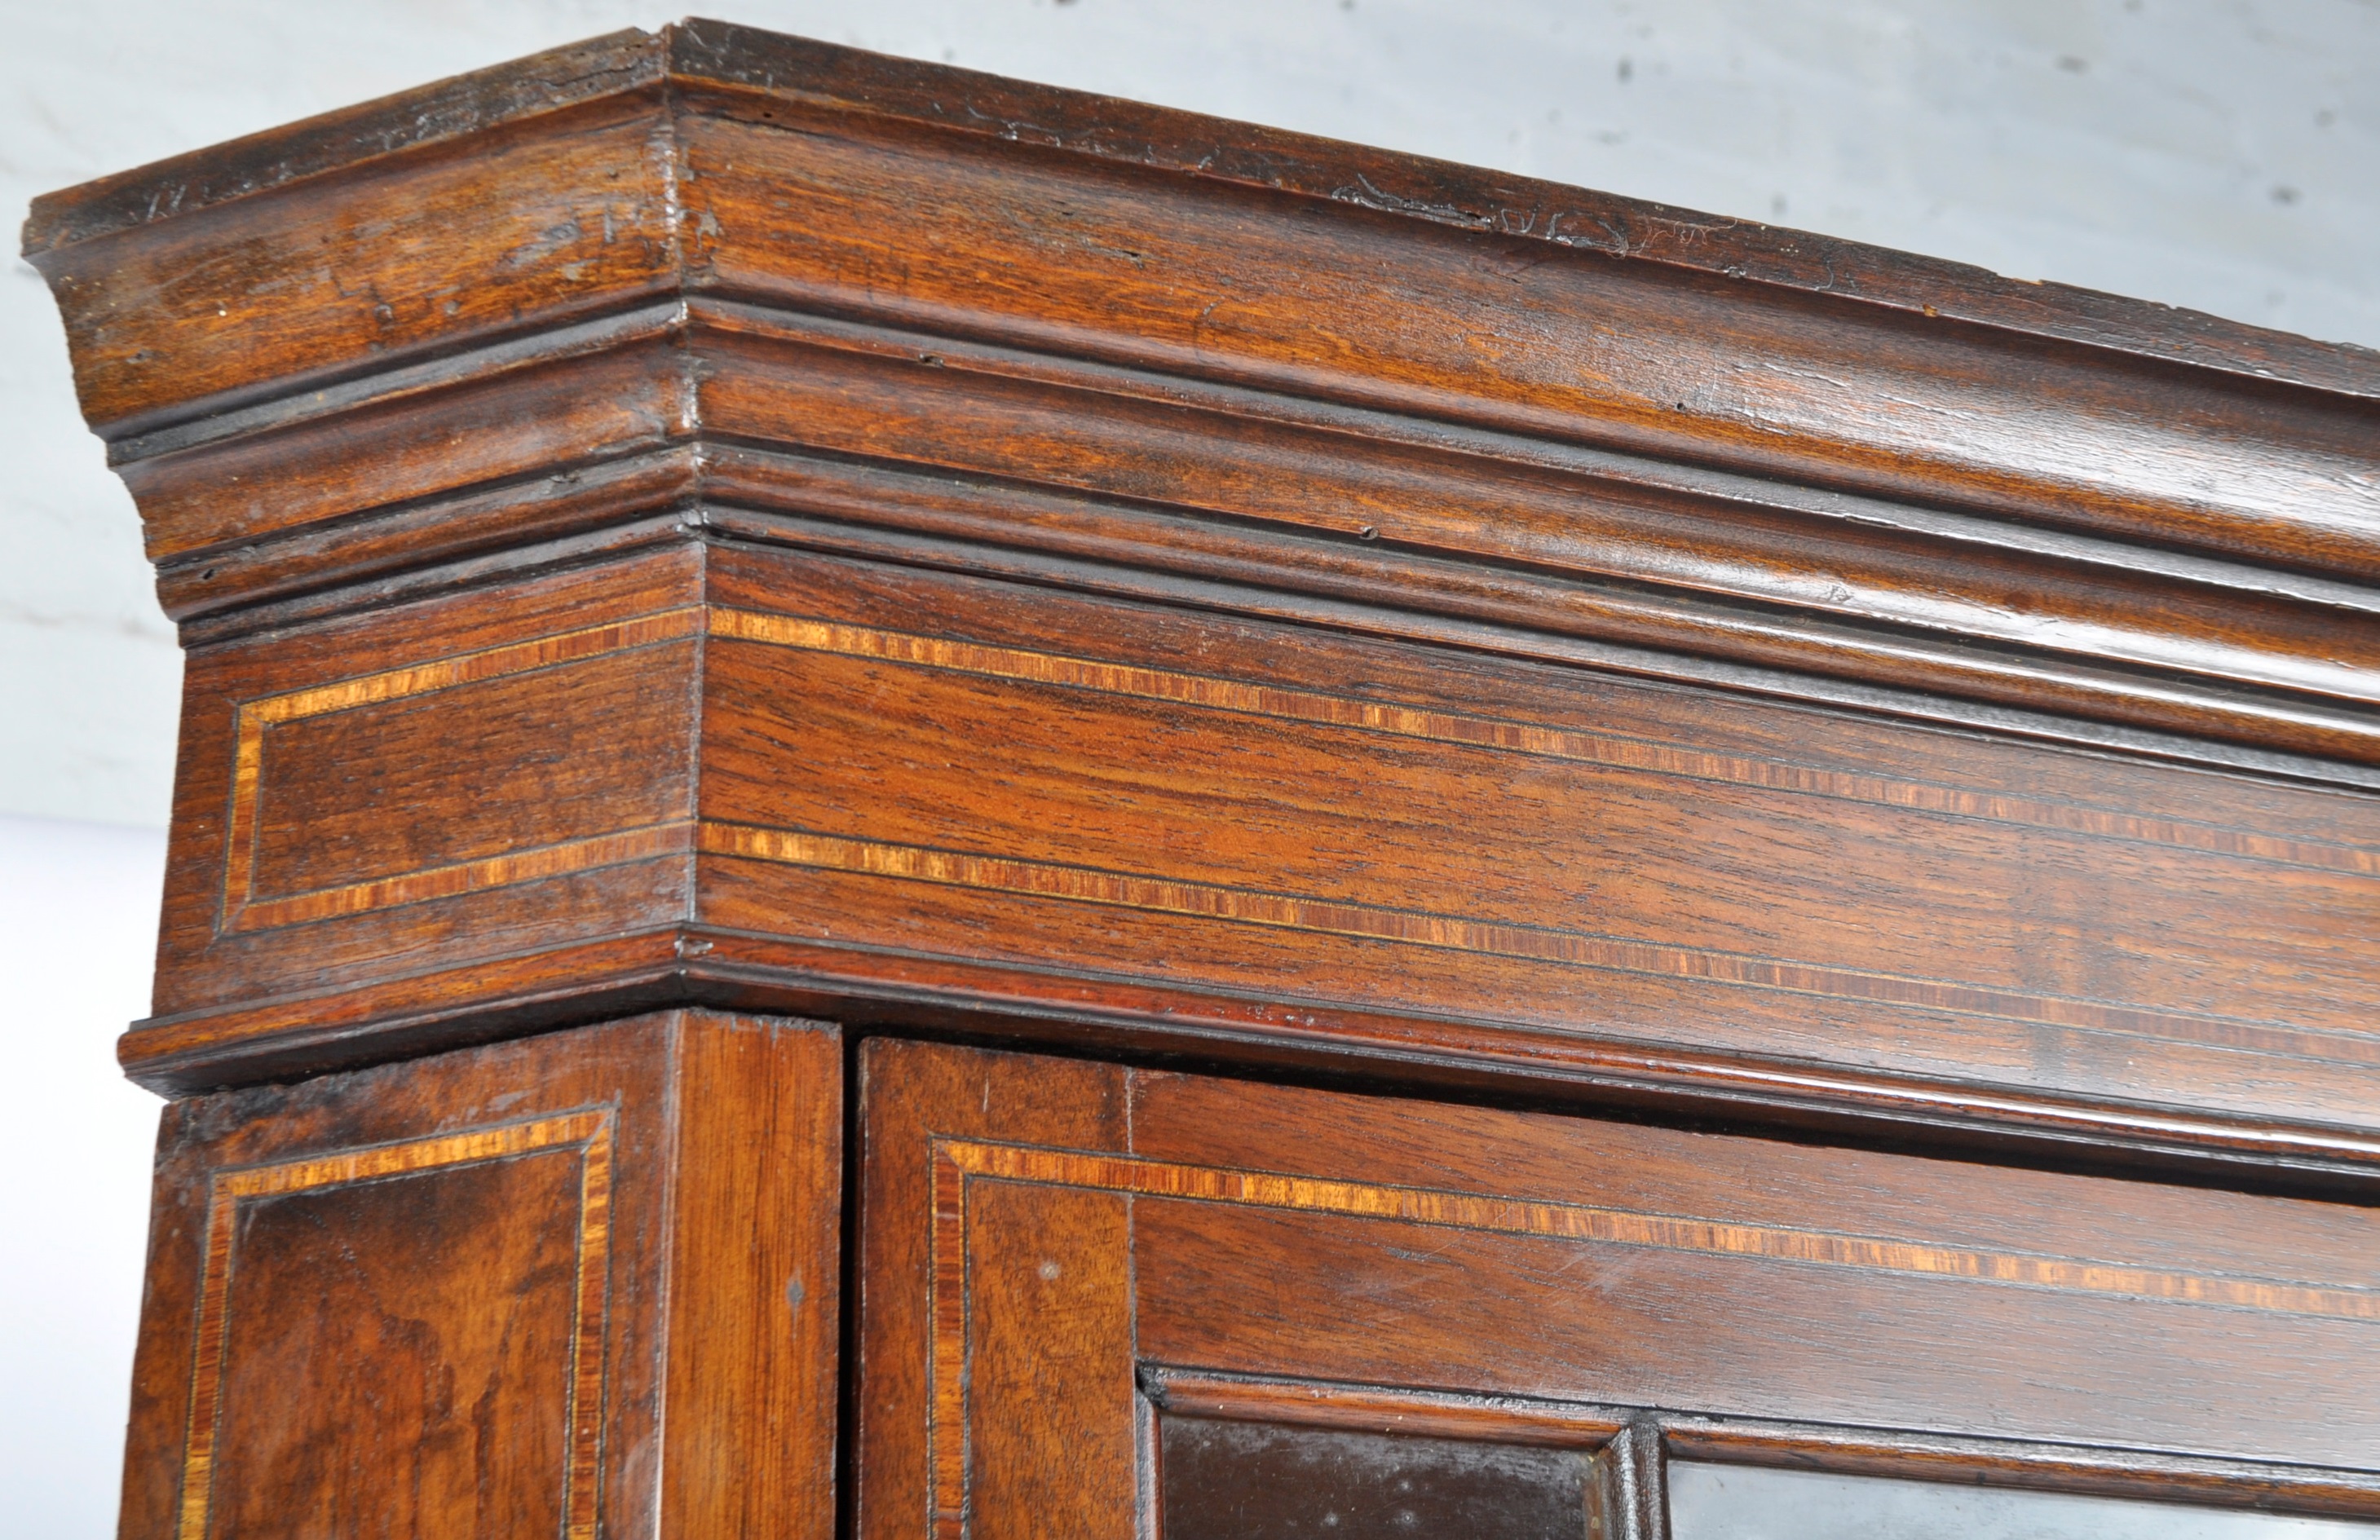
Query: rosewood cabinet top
[[715, 517]]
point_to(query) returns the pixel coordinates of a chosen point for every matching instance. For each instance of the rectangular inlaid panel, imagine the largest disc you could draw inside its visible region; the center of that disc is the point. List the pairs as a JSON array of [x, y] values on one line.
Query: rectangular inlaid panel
[[524, 760], [552, 1287], [435, 1308], [1016, 776], [1291, 600], [1044, 1240], [464, 775], [1044, 803]]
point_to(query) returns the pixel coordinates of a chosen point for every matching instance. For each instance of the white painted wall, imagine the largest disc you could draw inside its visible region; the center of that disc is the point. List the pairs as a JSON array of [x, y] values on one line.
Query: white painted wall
[[78, 922], [2222, 154]]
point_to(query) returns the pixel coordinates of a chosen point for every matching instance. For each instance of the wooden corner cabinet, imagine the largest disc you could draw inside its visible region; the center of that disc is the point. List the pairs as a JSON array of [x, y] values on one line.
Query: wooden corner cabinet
[[917, 808]]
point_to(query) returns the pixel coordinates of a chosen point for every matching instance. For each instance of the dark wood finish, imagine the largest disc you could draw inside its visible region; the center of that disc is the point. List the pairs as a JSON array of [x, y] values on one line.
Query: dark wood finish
[[728, 528], [1262, 1254], [584, 1285], [1602, 879], [1212, 588], [441, 1322]]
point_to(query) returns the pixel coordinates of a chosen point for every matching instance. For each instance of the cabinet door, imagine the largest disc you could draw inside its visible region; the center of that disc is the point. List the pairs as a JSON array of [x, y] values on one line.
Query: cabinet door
[[1105, 1301]]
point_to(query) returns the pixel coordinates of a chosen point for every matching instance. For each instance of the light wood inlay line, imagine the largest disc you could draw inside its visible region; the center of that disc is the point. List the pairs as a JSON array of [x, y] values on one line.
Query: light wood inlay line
[[470, 668], [957, 1163], [467, 877], [1571, 1221], [241, 908], [589, 1133], [1536, 739], [1527, 944], [946, 1427]]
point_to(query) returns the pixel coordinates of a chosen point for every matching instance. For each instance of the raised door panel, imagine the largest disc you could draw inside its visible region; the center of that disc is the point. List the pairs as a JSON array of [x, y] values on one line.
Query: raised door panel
[[1069, 1271]]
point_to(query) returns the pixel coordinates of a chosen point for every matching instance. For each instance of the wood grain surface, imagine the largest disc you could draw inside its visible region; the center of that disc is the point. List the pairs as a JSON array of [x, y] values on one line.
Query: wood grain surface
[[1828, 796], [1312, 1259], [816, 783], [1301, 1258], [1814, 459], [561, 1287], [705, 517]]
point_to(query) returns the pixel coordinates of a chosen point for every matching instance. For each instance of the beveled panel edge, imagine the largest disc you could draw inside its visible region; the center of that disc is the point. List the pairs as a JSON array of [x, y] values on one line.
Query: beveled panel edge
[[590, 1132], [1234, 1397], [1908, 1454]]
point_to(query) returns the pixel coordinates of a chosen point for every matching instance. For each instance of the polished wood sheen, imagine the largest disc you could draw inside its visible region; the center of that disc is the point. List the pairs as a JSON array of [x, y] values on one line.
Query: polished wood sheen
[[581, 1286], [382, 1265], [1618, 837], [1223, 591], [1058, 1256]]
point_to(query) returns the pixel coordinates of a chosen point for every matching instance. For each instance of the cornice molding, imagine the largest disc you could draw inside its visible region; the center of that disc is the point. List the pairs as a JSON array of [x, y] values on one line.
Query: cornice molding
[[1532, 406], [702, 54], [1228, 594]]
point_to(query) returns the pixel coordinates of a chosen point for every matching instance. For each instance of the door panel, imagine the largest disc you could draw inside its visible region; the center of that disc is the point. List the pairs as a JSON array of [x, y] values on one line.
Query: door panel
[[1073, 1274]]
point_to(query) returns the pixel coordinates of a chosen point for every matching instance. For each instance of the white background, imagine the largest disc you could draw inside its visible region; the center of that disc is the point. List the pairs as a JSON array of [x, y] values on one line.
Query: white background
[[2221, 154]]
